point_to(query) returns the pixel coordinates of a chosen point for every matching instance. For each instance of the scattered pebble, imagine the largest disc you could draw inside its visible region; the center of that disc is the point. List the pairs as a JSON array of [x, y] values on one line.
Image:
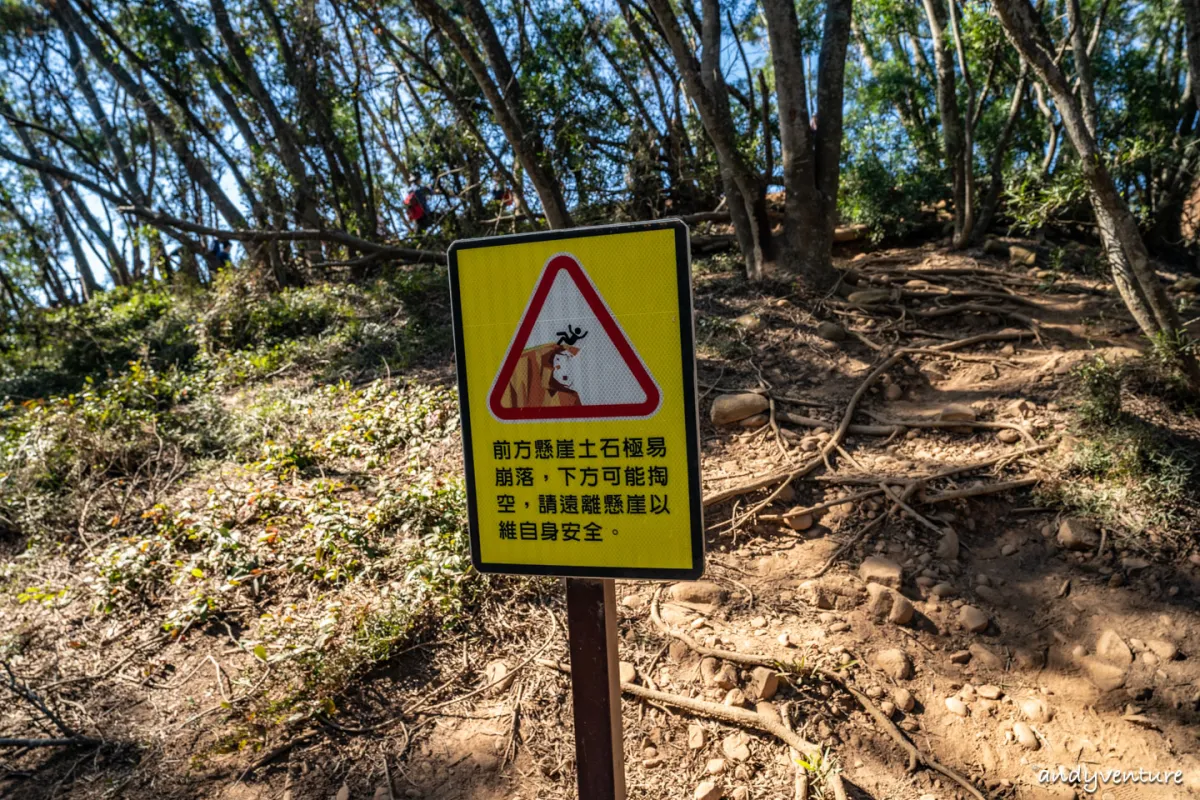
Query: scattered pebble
[[972, 619], [1025, 736], [894, 663]]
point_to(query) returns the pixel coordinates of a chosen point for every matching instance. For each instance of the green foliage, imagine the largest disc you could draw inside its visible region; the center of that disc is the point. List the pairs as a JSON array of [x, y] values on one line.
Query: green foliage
[[59, 349], [1122, 467], [889, 202], [1100, 392], [247, 316], [1033, 201]]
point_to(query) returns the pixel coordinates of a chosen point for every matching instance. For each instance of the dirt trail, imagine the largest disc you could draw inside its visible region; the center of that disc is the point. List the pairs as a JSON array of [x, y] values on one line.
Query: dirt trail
[[1000, 636]]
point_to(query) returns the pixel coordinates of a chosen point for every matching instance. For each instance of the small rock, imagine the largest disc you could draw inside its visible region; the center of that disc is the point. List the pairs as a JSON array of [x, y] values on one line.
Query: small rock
[[831, 331], [985, 657], [736, 747], [1008, 549], [628, 673], [697, 737], [960, 657], [888, 708], [1009, 436], [800, 522], [1113, 649], [947, 548], [737, 698], [902, 610], [739, 793], [634, 601], [893, 392], [956, 706], [726, 677], [877, 569], [785, 640], [1104, 676], [1165, 650], [990, 692], [1025, 736], [904, 699], [756, 421], [764, 682], [715, 766], [705, 592], [652, 763], [1036, 710], [1077, 534], [894, 663], [343, 793], [1188, 284], [730, 408], [758, 622], [973, 619], [498, 671], [1133, 564], [942, 589], [707, 790], [381, 793]]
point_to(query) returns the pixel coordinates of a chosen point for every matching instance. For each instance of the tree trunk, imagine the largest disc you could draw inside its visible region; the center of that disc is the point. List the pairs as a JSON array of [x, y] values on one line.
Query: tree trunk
[[810, 149], [1133, 273], [286, 142], [526, 143], [741, 184], [952, 121], [987, 209]]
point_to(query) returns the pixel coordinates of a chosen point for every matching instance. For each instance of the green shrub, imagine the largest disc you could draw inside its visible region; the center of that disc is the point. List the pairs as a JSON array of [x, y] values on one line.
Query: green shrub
[[59, 349], [1100, 386], [889, 202]]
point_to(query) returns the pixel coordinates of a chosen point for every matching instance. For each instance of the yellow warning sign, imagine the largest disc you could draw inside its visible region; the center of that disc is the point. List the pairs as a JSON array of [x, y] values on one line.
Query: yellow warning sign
[[576, 379]]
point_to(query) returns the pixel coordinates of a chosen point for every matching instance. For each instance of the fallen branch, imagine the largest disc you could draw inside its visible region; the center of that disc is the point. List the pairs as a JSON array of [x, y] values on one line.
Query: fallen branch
[[74, 741], [729, 714], [340, 237]]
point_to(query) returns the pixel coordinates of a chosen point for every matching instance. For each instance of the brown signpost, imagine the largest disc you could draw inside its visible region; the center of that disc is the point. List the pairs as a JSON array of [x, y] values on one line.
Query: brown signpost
[[576, 378]]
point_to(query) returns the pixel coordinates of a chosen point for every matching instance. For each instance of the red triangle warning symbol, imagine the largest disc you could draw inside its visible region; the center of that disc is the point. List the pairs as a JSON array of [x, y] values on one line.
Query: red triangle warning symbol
[[569, 359]]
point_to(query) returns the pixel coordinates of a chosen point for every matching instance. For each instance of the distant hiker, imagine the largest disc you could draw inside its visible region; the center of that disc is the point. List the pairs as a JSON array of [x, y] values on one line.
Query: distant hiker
[[220, 251], [416, 202]]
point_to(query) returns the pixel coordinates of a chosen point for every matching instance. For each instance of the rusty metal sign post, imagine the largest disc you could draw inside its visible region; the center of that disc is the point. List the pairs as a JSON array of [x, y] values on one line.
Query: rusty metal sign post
[[577, 389]]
